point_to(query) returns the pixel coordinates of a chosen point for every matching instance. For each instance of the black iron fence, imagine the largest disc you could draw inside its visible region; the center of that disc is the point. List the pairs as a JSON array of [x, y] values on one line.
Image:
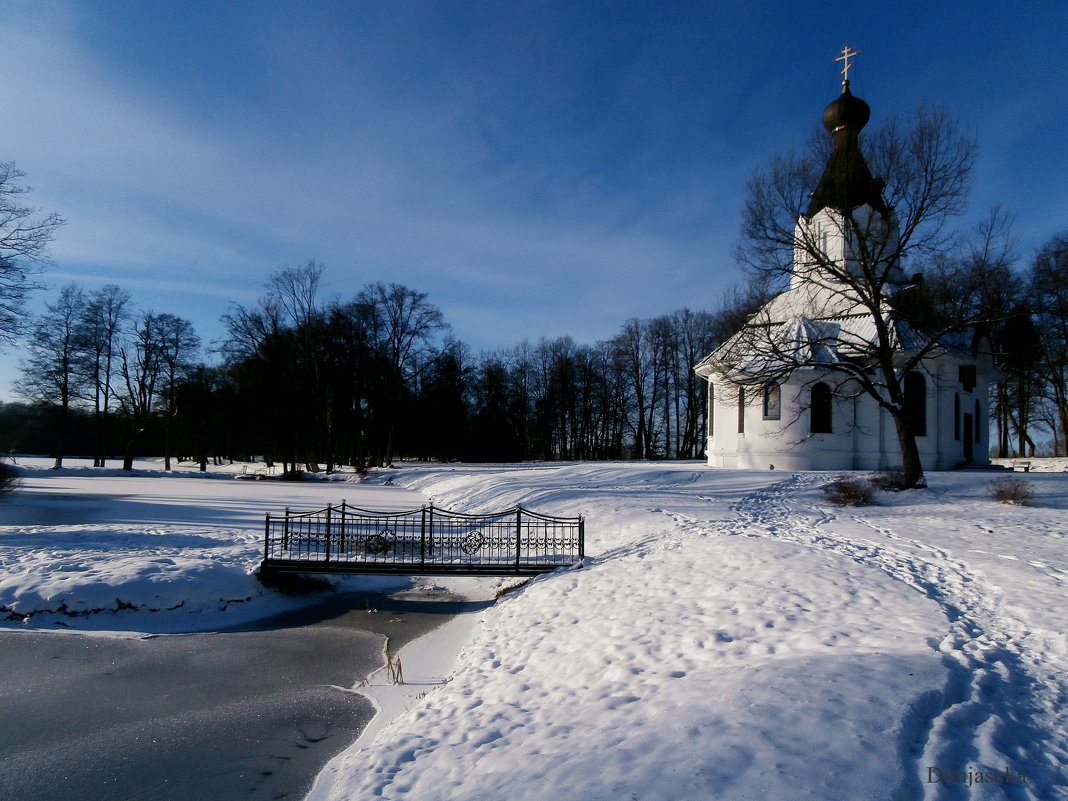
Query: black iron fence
[[428, 540]]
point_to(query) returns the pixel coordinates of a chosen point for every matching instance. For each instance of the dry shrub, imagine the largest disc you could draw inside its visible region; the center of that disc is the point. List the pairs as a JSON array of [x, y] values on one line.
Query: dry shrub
[[889, 480], [850, 491], [1012, 490]]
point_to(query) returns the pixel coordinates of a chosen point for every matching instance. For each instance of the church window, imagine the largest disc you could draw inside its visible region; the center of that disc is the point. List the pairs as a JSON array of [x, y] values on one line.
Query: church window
[[916, 403], [741, 410], [966, 374], [772, 401], [956, 415], [977, 419], [820, 410]]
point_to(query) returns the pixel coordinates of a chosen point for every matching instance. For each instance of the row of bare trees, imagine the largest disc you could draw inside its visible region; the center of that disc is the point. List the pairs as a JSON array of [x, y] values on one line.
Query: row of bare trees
[[91, 351], [309, 382], [312, 384], [380, 377], [1024, 311]]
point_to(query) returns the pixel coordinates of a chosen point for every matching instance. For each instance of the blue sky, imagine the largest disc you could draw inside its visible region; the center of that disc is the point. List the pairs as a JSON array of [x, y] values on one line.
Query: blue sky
[[538, 168]]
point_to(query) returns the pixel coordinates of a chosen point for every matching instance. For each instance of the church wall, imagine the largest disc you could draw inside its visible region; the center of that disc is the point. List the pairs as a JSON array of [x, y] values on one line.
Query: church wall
[[787, 443], [863, 436]]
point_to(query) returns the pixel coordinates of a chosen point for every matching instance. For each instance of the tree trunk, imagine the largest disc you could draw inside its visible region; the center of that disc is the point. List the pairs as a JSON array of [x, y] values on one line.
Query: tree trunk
[[61, 433], [911, 465], [98, 430], [127, 459], [1003, 422], [1060, 440]]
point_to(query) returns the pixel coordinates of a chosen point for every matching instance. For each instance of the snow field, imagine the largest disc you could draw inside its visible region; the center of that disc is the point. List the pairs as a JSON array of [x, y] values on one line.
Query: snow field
[[734, 637], [102, 550], [731, 637]]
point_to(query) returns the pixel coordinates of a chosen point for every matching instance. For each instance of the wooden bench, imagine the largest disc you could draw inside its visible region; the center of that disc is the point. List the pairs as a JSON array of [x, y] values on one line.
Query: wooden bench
[[1022, 464]]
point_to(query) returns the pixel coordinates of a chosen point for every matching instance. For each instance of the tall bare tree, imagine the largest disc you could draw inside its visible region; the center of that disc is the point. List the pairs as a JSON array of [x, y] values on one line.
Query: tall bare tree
[[405, 327], [101, 322], [49, 373], [140, 367], [1049, 294], [178, 347], [25, 234]]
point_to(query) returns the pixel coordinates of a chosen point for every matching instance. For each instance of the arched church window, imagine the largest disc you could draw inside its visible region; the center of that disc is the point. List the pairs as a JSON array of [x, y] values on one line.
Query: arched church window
[[956, 415], [772, 398], [916, 403], [741, 410], [820, 409], [977, 419]]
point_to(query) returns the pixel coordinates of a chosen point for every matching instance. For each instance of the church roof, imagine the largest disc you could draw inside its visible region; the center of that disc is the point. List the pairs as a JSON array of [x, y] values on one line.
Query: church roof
[[781, 337], [846, 182], [765, 347]]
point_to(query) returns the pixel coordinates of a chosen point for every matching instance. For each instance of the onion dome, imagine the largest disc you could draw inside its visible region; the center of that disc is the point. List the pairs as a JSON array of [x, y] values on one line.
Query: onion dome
[[847, 183], [846, 113]]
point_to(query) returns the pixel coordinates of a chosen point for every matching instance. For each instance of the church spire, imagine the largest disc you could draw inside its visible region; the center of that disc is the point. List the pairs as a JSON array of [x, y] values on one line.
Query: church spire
[[846, 182]]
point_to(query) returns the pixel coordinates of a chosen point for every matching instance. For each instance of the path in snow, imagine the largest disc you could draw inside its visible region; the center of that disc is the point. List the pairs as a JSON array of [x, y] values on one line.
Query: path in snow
[[1004, 693]]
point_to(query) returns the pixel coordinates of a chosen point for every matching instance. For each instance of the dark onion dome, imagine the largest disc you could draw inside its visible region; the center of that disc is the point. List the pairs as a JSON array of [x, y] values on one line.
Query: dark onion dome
[[847, 182], [846, 112]]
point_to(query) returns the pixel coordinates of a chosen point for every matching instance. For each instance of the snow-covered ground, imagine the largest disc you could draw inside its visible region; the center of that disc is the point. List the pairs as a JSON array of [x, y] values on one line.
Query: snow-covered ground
[[731, 637], [734, 637], [149, 551]]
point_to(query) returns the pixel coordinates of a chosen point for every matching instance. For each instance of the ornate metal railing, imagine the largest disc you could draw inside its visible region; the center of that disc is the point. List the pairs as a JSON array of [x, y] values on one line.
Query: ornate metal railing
[[428, 540]]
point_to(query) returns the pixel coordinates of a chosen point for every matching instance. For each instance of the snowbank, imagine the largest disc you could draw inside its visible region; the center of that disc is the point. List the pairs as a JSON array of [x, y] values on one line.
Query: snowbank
[[734, 637], [150, 551]]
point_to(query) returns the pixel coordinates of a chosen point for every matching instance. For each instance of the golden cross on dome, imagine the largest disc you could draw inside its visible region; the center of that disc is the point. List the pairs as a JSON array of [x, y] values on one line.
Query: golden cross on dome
[[847, 53]]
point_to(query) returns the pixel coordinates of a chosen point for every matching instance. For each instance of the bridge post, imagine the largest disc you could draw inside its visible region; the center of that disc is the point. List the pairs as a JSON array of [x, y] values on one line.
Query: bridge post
[[267, 537], [285, 532], [430, 529], [327, 558], [341, 545], [422, 538], [582, 537], [518, 534]]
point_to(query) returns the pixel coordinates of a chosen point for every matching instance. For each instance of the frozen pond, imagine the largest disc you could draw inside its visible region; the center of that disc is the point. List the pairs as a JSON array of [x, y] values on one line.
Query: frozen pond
[[250, 714], [253, 712]]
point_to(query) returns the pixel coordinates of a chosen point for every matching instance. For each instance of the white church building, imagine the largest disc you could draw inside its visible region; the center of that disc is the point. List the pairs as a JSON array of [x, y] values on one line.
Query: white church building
[[809, 415]]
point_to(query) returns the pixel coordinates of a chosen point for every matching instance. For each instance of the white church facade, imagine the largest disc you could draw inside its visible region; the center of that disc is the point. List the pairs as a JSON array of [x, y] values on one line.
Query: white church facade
[[817, 422], [784, 392]]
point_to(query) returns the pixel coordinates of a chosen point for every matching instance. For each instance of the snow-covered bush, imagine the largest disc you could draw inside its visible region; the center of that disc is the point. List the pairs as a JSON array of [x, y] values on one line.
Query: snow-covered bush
[[1012, 490], [850, 491]]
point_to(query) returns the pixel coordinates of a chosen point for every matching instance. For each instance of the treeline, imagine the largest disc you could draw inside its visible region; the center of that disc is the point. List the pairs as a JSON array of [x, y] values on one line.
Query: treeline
[[313, 385], [1025, 314]]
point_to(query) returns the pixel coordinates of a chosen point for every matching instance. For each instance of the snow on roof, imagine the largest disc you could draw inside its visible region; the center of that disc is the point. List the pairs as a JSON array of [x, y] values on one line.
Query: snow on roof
[[813, 325]]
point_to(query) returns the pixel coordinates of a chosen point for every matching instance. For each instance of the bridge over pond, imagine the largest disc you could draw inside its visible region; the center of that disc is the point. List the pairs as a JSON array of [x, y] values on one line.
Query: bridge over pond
[[424, 541]]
